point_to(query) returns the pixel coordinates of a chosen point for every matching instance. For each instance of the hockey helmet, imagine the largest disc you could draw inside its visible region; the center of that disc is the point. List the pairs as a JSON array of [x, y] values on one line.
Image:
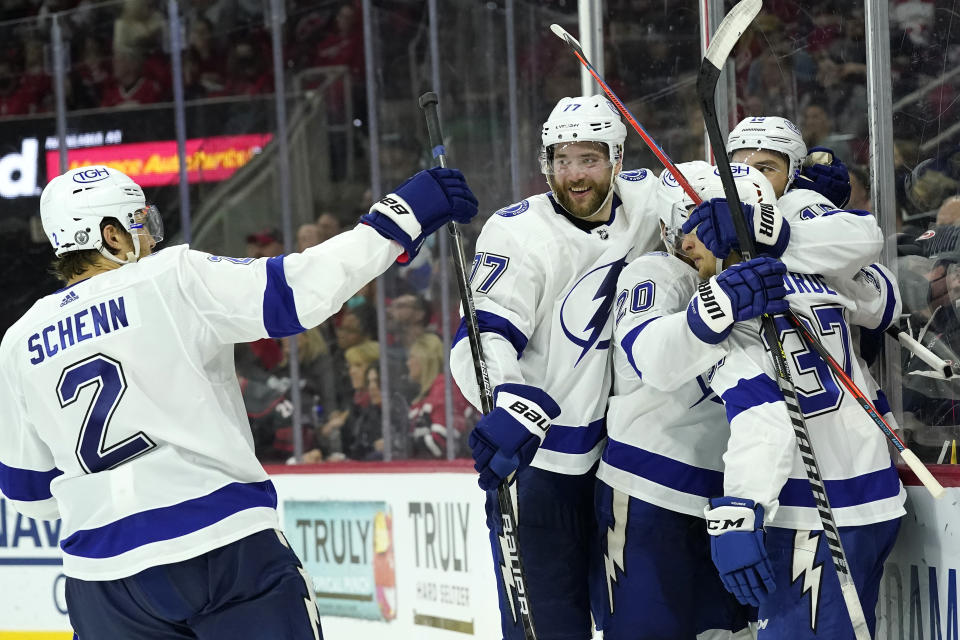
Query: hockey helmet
[[771, 133], [73, 205], [582, 119]]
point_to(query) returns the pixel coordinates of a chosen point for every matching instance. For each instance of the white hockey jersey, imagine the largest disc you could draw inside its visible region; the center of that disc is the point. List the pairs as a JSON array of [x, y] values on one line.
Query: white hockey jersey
[[667, 430], [120, 405], [762, 461], [544, 289]]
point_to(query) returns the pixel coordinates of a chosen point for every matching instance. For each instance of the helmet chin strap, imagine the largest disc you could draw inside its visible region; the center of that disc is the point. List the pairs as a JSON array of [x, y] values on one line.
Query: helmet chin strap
[[132, 256]]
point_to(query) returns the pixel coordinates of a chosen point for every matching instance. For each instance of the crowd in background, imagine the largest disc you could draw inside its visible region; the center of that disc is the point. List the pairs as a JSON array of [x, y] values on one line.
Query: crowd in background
[[803, 60], [339, 364], [119, 52]]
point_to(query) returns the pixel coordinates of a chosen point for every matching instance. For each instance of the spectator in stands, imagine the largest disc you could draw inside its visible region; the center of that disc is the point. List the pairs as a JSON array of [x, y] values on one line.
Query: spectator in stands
[[130, 85], [247, 71], [207, 56], [351, 431], [428, 422], [91, 75], [328, 226], [949, 211], [308, 235], [817, 130], [15, 99], [264, 244], [138, 30], [35, 78], [409, 316], [859, 189]]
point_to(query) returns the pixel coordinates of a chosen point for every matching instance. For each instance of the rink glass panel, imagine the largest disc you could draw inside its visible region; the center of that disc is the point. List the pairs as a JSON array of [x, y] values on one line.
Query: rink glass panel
[[801, 60]]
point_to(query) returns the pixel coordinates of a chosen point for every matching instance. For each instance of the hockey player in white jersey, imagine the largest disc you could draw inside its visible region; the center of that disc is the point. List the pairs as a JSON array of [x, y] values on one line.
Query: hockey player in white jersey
[[766, 538], [667, 430], [122, 415], [544, 280]]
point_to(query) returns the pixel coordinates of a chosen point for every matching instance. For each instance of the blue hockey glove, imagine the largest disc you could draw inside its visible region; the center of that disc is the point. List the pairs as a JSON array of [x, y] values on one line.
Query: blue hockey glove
[[714, 224], [420, 206], [824, 173], [735, 526], [743, 291], [506, 439]]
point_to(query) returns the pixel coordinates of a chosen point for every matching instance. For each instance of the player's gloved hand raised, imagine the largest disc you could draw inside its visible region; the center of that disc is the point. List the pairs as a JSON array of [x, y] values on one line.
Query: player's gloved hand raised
[[826, 174], [743, 291], [506, 439], [420, 206], [736, 533], [714, 226]]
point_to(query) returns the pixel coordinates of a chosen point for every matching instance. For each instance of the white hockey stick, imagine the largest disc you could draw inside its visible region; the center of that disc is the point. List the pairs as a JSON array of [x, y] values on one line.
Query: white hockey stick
[[942, 368]]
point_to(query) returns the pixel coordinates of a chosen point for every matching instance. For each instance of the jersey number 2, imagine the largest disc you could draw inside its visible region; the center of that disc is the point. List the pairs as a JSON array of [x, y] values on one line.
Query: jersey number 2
[[92, 450]]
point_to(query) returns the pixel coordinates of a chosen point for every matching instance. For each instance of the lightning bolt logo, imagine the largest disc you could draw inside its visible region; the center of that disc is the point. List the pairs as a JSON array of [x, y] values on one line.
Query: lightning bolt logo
[[804, 565], [605, 293], [616, 541]]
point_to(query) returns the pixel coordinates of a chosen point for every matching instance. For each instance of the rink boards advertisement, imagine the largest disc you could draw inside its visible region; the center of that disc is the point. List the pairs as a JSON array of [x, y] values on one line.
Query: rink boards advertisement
[[398, 553], [394, 552]]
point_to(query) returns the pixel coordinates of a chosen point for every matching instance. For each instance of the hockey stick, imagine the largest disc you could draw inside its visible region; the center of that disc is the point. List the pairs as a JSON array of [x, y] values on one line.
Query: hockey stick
[[724, 39], [511, 568], [911, 460], [915, 347]]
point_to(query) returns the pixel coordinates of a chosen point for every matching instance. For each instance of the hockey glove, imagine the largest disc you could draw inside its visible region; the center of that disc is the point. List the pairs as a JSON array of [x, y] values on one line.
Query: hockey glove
[[714, 224], [743, 291], [420, 206], [824, 173], [506, 439], [735, 526]]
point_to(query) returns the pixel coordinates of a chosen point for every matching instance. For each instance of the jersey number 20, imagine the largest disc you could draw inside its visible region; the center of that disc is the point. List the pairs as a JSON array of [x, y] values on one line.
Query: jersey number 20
[[106, 374]]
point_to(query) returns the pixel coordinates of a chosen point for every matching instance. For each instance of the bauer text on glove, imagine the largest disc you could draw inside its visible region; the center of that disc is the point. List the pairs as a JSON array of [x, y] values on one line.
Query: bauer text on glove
[[420, 206], [506, 439]]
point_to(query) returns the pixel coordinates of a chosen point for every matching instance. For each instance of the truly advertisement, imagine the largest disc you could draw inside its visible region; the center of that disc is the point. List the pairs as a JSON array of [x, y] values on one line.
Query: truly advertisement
[[347, 549], [442, 561], [156, 164]]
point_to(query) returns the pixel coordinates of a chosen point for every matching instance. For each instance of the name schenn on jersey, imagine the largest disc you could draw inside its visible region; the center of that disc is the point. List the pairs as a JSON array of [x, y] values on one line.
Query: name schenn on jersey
[[91, 322]]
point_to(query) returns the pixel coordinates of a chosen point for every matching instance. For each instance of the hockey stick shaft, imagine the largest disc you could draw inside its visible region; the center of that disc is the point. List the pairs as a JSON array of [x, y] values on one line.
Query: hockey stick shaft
[[915, 347], [908, 456], [724, 39], [513, 567]]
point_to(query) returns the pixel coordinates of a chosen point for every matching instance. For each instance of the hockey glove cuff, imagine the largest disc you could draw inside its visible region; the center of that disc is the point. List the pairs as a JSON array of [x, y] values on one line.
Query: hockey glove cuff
[[420, 206], [737, 547], [824, 173], [506, 439], [741, 292], [714, 224]]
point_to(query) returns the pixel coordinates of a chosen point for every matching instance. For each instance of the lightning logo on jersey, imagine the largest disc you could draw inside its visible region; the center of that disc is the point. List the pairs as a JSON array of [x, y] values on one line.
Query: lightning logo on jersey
[[598, 289], [804, 565]]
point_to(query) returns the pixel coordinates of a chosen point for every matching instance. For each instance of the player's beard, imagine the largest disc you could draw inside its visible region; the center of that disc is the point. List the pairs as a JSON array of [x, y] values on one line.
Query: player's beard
[[586, 206]]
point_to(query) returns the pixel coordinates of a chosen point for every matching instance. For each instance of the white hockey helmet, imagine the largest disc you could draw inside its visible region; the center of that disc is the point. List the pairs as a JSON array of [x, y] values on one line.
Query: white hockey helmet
[[753, 187], [73, 205], [772, 133], [674, 203], [582, 119]]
